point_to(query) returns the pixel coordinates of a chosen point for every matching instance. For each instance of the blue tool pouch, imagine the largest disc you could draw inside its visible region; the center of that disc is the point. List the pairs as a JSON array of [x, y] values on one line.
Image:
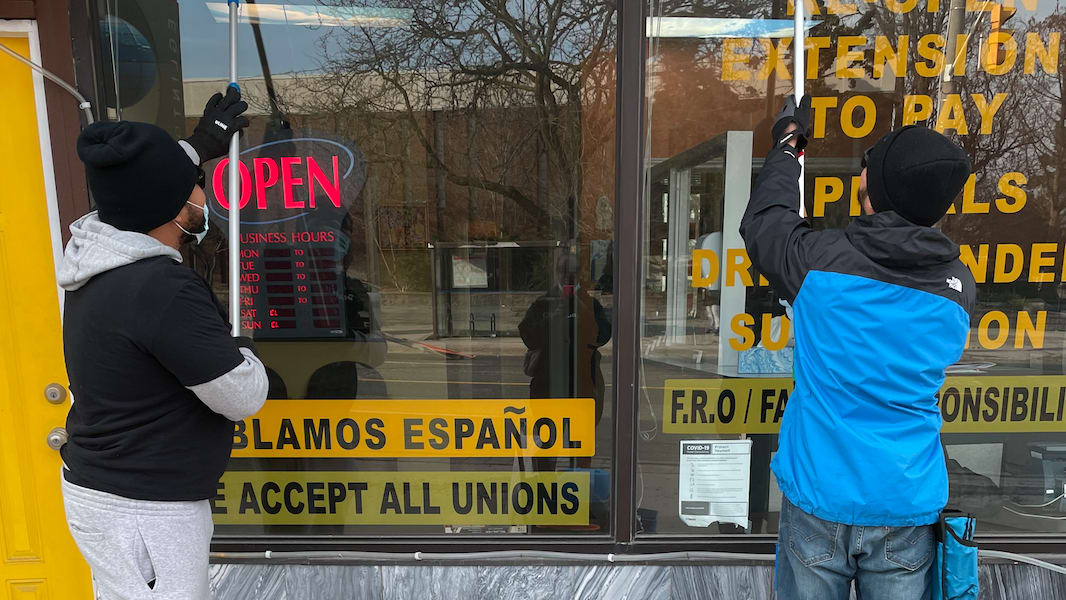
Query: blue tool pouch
[[955, 571]]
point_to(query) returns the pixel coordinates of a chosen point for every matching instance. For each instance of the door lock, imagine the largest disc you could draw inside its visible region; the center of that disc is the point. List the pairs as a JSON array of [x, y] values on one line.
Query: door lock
[[57, 438], [55, 393]]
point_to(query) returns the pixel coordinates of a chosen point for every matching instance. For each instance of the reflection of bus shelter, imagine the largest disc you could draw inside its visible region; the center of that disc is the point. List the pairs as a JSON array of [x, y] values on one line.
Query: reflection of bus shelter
[[715, 176], [483, 289], [733, 150]]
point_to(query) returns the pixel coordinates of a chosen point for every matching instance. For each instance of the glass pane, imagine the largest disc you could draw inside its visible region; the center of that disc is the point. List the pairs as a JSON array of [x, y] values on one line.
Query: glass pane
[[427, 216], [717, 349]]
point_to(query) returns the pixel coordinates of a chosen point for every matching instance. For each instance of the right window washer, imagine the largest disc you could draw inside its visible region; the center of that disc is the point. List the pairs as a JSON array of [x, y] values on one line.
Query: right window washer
[[881, 308]]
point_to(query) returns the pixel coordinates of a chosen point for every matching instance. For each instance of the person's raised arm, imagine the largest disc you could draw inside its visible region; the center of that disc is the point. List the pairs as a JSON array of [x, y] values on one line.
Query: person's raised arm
[[772, 228]]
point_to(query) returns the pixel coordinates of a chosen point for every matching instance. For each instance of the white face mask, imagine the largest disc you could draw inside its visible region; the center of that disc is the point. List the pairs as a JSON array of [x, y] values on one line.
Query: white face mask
[[207, 223]]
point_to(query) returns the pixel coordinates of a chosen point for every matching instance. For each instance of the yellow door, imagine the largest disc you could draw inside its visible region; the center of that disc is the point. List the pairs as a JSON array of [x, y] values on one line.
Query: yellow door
[[38, 558]]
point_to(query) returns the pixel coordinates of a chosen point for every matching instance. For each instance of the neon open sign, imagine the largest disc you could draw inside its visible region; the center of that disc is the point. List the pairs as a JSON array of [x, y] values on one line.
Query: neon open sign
[[307, 180]]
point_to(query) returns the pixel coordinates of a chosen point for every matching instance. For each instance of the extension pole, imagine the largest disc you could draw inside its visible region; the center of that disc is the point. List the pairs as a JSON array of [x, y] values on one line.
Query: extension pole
[[234, 193], [799, 43]]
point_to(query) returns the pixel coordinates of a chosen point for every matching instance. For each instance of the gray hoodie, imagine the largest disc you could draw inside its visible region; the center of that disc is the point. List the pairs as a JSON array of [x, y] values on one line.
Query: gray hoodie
[[96, 247]]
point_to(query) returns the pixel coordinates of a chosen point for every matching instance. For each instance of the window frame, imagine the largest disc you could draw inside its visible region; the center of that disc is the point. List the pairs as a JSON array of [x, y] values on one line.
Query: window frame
[[631, 48]]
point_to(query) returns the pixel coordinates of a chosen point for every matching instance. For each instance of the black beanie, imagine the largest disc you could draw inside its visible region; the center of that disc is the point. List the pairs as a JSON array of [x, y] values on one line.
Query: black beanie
[[139, 176], [916, 172]]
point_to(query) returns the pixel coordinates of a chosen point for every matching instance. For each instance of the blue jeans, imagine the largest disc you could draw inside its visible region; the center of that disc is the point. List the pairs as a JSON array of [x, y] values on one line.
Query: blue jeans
[[817, 560]]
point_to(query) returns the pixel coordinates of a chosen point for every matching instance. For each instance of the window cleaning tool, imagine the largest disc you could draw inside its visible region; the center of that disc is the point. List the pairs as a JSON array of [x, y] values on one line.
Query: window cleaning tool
[[83, 104], [799, 43], [278, 121], [234, 188]]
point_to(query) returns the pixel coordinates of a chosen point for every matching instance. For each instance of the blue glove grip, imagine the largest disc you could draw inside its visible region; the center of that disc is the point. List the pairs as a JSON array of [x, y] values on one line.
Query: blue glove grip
[[234, 85]]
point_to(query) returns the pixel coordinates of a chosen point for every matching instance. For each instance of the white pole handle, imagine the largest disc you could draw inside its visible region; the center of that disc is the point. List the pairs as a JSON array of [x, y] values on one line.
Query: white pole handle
[[799, 72], [234, 190]]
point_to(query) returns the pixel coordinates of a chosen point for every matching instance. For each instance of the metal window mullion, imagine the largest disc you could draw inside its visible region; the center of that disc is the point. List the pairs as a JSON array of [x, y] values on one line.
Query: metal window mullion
[[628, 255]]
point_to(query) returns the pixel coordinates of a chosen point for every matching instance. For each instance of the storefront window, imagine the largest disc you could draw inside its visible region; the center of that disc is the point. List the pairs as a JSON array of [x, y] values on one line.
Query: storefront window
[[716, 344], [428, 195], [427, 217]]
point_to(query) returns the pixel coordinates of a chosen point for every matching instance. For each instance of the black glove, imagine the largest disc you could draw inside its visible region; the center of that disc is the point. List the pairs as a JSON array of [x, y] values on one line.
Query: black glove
[[800, 115], [222, 118]]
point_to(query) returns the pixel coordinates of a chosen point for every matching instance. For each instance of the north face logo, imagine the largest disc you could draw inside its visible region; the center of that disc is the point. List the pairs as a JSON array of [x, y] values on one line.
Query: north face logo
[[955, 283]]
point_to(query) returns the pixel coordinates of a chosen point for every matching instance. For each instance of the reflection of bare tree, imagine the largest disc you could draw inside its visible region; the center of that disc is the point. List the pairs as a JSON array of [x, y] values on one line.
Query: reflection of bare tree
[[1038, 122], [1026, 136], [490, 94], [1026, 132]]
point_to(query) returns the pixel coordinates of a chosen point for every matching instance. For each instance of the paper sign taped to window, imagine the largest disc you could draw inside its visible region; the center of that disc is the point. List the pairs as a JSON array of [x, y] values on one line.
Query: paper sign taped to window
[[714, 481]]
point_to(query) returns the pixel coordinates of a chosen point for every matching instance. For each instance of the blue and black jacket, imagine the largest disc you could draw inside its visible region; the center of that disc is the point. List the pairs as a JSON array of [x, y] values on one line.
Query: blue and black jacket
[[881, 308]]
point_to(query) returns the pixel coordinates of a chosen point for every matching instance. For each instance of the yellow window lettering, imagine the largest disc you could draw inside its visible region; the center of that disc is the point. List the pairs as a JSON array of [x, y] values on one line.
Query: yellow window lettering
[[916, 108], [1015, 196], [994, 320], [988, 109], [847, 116], [885, 55], [1001, 52], [1047, 55], [1038, 261], [701, 257], [826, 191], [735, 60], [931, 49], [821, 105], [901, 6], [775, 59], [1034, 331], [810, 7], [814, 45], [847, 57], [783, 335], [958, 60], [838, 7], [855, 208], [1010, 260], [978, 265], [741, 325], [951, 116], [738, 265]]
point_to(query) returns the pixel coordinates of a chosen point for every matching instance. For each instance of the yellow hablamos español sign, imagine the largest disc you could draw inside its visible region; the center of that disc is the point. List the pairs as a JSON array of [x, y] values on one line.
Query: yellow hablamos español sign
[[418, 428]]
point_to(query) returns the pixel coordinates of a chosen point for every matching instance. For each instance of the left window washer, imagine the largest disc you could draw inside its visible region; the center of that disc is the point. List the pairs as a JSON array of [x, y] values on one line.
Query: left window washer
[[156, 377]]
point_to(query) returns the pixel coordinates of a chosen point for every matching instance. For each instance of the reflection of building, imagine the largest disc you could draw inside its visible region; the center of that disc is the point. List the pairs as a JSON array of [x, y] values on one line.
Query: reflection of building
[[414, 199]]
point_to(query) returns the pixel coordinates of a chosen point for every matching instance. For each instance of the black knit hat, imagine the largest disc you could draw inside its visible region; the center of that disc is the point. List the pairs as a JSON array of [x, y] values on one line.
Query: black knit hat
[[916, 172], [139, 176]]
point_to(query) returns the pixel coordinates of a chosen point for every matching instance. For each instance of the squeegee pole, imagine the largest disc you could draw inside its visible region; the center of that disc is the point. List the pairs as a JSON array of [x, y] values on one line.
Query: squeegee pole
[[234, 188], [799, 44]]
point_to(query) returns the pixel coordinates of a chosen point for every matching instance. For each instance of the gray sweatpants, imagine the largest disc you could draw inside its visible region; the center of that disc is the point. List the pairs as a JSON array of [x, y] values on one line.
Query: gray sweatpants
[[139, 549]]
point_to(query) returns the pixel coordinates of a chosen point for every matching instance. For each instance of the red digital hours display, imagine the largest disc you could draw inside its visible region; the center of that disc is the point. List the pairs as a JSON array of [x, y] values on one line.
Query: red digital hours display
[[291, 290], [294, 199]]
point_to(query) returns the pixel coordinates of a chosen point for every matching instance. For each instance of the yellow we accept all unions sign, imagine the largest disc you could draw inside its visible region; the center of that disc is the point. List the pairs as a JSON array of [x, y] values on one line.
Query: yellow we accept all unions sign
[[402, 498], [968, 404]]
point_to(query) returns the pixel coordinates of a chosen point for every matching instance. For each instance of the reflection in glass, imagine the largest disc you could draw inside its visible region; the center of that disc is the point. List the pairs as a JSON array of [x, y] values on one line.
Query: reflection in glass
[[414, 173], [710, 324]]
